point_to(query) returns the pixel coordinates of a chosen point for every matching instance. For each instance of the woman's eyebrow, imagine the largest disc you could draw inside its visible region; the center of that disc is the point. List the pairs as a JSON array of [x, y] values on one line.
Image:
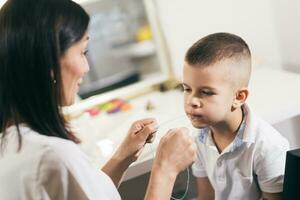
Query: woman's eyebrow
[[184, 84]]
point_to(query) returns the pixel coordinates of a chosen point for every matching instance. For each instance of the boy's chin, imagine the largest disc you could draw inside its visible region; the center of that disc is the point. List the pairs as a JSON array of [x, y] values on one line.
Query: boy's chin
[[199, 125]]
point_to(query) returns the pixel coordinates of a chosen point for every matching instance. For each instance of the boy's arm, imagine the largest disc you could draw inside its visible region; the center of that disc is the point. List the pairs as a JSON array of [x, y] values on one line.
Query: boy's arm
[[271, 196], [205, 190], [175, 152]]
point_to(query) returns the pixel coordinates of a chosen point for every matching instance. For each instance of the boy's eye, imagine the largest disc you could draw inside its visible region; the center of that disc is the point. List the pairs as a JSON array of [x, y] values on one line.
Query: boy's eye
[[207, 93]]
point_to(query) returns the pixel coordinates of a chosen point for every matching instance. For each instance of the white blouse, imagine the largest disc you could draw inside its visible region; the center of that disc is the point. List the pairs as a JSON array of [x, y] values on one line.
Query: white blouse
[[49, 168]]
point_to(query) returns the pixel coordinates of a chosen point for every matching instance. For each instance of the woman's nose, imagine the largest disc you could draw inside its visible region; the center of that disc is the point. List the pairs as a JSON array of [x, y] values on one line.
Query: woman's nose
[[87, 68]]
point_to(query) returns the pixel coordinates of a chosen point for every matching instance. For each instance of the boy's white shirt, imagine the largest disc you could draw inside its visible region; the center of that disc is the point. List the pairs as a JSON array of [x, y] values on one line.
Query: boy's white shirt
[[49, 168], [257, 155]]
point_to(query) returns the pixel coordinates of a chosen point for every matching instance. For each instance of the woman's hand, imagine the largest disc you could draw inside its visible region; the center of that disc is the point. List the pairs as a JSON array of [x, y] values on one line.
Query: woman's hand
[[140, 133], [176, 151]]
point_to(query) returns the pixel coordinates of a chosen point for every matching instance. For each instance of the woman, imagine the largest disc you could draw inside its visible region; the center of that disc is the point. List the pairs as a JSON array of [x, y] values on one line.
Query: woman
[[42, 62]]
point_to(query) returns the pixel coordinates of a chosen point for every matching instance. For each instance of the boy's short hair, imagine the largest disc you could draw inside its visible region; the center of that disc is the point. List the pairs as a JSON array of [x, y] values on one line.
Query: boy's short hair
[[220, 46]]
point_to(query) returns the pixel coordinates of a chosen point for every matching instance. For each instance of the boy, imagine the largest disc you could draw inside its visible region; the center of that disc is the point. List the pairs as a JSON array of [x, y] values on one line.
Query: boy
[[239, 155]]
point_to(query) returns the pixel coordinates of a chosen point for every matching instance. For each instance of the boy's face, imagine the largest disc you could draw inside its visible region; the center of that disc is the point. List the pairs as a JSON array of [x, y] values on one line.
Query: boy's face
[[208, 93]]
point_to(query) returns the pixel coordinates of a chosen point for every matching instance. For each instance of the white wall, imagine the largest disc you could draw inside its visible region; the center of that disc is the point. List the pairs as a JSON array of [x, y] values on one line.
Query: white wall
[[290, 129], [184, 22], [287, 18], [2, 2], [271, 27]]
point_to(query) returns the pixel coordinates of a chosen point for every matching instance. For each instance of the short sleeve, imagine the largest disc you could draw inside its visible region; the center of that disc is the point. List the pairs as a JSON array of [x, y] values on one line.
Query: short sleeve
[[198, 167], [270, 164], [74, 175]]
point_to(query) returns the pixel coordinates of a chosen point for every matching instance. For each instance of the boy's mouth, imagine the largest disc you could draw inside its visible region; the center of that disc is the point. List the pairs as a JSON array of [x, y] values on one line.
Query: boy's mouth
[[198, 121], [194, 117]]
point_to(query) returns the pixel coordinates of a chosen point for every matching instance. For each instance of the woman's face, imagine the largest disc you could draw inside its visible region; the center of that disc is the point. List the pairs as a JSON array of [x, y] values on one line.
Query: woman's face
[[73, 67]]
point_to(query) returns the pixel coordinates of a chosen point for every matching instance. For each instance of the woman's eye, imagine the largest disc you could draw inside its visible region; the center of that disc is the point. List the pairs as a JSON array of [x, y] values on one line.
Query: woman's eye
[[186, 89], [85, 52]]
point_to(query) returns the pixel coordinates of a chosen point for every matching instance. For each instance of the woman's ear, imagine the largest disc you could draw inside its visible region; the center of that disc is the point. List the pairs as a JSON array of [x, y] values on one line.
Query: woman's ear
[[240, 97], [52, 76]]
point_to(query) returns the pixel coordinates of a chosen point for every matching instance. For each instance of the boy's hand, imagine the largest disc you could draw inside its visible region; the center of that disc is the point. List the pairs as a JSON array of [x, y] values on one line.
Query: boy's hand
[[176, 151]]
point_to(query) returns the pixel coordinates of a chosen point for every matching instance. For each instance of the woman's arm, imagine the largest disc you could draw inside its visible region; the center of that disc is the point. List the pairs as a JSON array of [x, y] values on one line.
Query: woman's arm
[[176, 151], [115, 169]]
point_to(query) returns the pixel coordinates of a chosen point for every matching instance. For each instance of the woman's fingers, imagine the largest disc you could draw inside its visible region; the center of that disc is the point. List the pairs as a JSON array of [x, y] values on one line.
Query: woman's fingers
[[140, 124], [147, 132], [151, 138]]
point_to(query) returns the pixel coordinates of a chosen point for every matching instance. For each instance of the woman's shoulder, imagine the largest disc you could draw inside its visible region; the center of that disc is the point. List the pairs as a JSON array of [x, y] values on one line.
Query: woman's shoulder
[[64, 156], [65, 150], [43, 141], [37, 145], [48, 157], [39, 158]]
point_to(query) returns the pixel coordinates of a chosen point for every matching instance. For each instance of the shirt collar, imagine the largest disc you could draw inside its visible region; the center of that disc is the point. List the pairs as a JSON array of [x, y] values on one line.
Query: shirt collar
[[239, 139]]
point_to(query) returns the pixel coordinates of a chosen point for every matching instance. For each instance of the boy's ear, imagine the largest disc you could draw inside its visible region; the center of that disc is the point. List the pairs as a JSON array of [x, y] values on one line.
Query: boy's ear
[[240, 97]]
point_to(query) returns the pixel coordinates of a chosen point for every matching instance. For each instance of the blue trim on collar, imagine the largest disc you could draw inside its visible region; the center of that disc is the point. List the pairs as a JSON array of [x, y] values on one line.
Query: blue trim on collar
[[203, 134], [238, 140]]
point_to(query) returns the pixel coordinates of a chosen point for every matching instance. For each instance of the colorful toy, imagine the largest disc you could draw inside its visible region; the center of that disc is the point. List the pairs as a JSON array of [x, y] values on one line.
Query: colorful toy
[[113, 106]]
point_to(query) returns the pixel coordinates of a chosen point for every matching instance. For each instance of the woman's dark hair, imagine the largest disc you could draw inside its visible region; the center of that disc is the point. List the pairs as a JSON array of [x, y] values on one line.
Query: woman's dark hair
[[34, 35]]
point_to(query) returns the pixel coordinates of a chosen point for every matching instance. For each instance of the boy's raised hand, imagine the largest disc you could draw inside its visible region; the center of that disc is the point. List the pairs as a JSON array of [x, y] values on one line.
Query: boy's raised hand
[[176, 151]]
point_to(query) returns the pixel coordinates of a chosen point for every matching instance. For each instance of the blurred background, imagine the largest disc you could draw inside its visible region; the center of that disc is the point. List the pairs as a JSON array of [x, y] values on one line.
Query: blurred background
[[137, 44], [128, 37]]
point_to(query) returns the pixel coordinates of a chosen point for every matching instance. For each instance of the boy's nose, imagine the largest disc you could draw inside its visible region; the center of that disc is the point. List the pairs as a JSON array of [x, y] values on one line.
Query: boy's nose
[[194, 102]]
